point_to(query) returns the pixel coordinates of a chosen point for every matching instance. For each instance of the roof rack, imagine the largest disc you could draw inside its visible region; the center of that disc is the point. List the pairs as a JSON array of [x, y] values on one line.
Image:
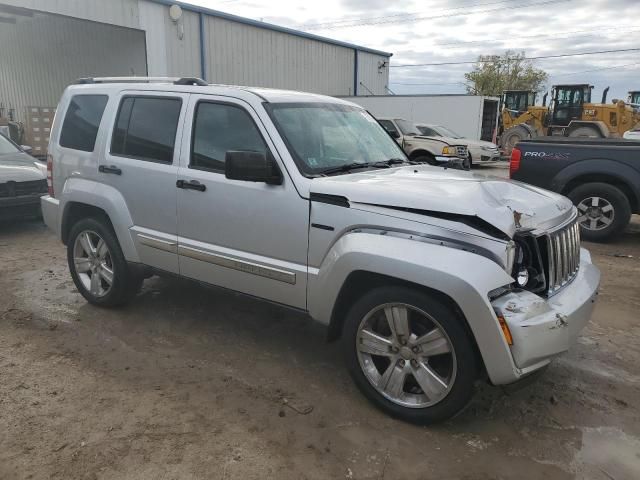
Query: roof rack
[[175, 80]]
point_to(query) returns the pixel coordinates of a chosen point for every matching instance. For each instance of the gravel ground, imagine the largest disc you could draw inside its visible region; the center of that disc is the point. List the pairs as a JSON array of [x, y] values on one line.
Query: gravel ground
[[190, 382]]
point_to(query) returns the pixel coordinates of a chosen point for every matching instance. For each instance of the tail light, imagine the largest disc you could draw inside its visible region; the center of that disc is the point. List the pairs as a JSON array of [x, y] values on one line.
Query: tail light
[[50, 175], [514, 164]]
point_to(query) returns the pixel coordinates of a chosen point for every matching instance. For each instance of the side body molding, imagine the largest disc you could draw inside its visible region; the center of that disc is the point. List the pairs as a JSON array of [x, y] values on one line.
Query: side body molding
[[107, 198], [465, 277]]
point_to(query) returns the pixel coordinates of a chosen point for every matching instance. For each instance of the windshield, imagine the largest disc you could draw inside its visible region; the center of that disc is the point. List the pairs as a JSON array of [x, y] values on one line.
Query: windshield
[[445, 132], [7, 146], [407, 128], [325, 136]]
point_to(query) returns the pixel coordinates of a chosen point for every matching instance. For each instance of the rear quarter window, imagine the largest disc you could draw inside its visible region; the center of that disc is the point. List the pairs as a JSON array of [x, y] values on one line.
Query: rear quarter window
[[81, 122]]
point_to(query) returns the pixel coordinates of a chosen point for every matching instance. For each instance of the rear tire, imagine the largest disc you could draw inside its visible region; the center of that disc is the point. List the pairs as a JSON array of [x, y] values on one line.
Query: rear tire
[[604, 210], [510, 138], [585, 132], [404, 367], [97, 265]]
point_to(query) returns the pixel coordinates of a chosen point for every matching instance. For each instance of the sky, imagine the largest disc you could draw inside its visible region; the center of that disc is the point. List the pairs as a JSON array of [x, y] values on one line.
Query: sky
[[436, 31]]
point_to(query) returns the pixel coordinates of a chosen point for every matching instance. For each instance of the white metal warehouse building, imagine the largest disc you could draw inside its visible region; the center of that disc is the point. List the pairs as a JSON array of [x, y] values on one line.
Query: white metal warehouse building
[[47, 44]]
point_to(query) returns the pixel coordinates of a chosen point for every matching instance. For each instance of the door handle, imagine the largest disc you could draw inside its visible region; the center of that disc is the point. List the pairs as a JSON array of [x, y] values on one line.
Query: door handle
[[191, 185], [110, 169]]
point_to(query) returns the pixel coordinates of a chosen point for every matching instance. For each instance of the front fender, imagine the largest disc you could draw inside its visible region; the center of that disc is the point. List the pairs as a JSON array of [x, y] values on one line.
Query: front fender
[[107, 198], [465, 277]]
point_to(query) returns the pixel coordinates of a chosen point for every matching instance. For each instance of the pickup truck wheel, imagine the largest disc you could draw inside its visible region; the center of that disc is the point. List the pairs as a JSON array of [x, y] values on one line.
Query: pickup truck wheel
[[603, 210], [97, 264], [409, 354]]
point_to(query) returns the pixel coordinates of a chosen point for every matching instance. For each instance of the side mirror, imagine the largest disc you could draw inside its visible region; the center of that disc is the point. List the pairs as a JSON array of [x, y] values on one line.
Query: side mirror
[[26, 149], [394, 134], [251, 167]]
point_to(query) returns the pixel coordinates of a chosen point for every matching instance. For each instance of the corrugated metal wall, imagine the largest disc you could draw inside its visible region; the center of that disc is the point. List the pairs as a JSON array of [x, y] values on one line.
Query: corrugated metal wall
[[63, 48], [116, 12], [372, 79], [246, 55], [168, 53], [39, 57]]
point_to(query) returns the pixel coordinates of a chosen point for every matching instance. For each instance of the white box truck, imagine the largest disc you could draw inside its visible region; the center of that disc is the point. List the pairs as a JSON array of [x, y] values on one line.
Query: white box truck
[[471, 116]]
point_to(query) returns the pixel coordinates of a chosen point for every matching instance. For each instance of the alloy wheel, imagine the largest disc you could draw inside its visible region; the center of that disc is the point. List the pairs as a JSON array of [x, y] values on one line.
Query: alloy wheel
[[93, 263], [406, 355], [596, 213]]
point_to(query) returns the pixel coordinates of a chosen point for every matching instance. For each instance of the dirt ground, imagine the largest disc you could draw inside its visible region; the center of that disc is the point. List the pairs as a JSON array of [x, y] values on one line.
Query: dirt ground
[[190, 382]]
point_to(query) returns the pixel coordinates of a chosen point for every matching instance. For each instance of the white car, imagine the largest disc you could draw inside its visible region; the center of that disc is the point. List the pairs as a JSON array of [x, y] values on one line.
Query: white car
[[632, 134], [22, 181], [479, 150]]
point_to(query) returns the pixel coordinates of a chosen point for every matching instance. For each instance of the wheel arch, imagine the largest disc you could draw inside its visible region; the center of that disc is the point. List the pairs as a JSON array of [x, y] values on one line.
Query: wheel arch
[[597, 125], [601, 171], [420, 152], [83, 197]]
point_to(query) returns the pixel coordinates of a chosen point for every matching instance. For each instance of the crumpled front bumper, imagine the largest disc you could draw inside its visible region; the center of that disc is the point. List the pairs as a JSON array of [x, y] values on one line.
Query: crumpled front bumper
[[543, 328]]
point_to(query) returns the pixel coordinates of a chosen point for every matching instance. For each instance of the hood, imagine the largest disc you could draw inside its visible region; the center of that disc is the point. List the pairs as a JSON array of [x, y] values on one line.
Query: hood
[[505, 204], [20, 167], [462, 141]]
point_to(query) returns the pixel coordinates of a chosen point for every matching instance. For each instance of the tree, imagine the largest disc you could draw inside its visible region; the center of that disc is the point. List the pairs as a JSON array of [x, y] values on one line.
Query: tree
[[494, 74]]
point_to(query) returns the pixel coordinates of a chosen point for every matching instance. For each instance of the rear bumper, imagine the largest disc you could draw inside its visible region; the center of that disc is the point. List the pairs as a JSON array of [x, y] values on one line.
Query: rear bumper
[[51, 213], [544, 328]]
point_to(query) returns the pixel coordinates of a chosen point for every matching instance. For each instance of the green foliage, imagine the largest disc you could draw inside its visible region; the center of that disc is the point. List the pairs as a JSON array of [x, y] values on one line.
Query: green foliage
[[494, 74]]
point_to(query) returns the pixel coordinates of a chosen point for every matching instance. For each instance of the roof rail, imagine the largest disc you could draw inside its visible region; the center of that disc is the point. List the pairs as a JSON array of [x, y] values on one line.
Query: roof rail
[[174, 80]]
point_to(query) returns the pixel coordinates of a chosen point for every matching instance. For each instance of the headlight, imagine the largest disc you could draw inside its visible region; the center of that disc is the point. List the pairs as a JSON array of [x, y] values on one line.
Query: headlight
[[489, 149], [522, 278], [449, 150]]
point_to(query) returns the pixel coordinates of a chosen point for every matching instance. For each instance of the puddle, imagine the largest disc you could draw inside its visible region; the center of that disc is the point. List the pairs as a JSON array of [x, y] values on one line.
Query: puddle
[[608, 453]]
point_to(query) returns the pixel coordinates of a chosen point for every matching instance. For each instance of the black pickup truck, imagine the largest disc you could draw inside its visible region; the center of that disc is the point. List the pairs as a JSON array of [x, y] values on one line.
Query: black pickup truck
[[600, 176]]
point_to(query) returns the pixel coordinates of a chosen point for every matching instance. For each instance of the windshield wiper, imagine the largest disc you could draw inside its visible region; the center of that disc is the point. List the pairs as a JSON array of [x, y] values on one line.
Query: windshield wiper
[[390, 162], [345, 168]]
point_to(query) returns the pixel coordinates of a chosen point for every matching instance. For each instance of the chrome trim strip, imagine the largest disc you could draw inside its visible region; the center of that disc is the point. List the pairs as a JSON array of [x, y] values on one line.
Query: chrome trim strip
[[153, 242], [240, 265]]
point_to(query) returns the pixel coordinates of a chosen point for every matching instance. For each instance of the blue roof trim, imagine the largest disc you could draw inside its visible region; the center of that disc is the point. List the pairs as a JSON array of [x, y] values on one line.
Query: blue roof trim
[[269, 26]]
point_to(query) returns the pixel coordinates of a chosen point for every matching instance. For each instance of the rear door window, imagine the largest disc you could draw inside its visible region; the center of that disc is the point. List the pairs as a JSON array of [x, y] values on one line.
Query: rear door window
[[146, 128], [81, 122]]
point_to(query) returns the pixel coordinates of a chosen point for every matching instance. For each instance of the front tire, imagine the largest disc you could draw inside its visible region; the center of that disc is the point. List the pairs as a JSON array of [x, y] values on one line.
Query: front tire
[[512, 136], [604, 210], [585, 132], [97, 265], [409, 354]]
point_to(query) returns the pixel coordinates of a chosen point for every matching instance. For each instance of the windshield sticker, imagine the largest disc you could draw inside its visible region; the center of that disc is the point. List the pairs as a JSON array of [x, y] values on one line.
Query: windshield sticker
[[312, 162]]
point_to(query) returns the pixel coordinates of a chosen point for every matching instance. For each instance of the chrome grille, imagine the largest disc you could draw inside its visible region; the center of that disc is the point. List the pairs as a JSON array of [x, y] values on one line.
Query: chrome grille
[[563, 253], [462, 151]]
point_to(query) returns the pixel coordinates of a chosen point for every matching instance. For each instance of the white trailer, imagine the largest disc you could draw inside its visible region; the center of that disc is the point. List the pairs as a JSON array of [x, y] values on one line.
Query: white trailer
[[471, 116]]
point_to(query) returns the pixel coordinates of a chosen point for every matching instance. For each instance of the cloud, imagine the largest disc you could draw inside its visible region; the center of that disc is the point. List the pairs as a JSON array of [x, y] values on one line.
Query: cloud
[[443, 32]]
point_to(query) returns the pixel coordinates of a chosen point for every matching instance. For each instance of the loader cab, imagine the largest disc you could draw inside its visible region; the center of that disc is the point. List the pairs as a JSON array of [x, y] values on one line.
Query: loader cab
[[634, 97], [568, 103], [518, 100]]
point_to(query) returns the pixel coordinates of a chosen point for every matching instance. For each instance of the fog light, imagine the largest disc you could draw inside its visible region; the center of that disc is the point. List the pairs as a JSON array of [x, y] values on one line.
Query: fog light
[[523, 277]]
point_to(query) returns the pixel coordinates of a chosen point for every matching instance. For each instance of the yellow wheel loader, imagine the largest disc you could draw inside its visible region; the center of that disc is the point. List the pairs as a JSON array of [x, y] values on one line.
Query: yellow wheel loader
[[570, 114]]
